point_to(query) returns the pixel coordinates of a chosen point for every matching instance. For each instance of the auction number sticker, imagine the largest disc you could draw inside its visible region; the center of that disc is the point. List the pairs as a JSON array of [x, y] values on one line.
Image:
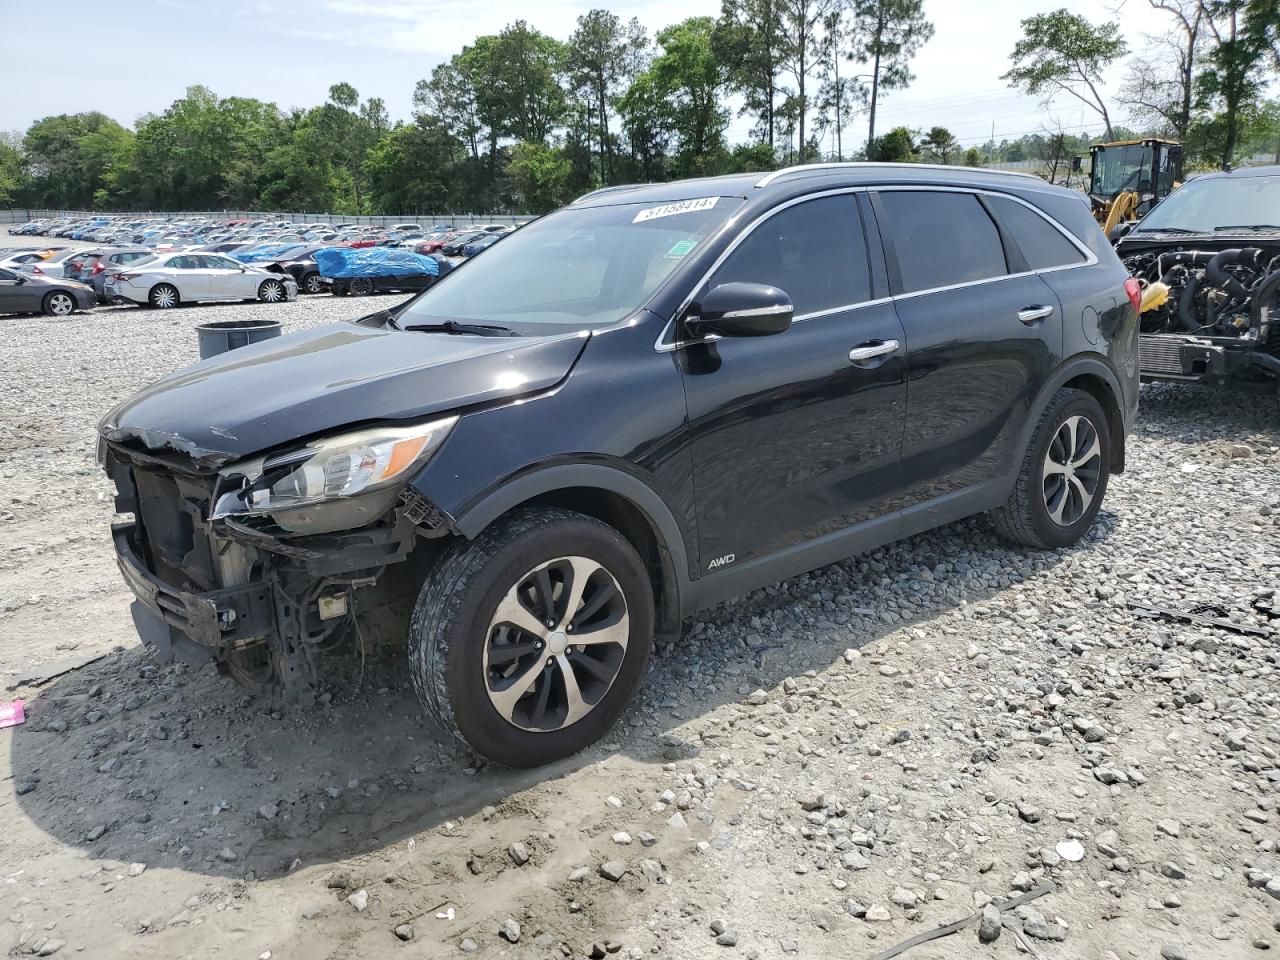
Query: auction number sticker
[[671, 209], [680, 249]]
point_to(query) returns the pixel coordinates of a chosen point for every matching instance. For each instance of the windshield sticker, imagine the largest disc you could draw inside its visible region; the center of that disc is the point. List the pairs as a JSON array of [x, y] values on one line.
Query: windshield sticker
[[680, 249], [671, 209]]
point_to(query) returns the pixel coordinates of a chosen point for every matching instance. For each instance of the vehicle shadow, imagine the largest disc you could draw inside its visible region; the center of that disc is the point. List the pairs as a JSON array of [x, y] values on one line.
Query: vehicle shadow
[[181, 769]]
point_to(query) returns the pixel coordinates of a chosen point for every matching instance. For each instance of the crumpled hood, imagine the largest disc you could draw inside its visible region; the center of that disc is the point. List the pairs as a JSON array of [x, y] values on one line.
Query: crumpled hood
[[326, 379]]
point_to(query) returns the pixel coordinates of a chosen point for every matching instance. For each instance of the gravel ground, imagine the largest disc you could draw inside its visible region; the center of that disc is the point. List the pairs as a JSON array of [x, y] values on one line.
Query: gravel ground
[[824, 768]]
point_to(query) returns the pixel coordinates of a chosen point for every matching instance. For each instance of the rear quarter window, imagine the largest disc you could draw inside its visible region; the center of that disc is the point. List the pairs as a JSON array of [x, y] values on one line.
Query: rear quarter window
[[1042, 244]]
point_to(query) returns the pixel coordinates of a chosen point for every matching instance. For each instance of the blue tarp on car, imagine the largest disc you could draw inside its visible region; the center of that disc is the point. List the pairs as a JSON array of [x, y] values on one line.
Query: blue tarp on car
[[265, 253], [344, 263]]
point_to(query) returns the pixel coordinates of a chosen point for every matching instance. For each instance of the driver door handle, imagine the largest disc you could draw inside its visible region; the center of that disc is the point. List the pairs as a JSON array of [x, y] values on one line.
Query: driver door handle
[[1033, 315], [872, 349]]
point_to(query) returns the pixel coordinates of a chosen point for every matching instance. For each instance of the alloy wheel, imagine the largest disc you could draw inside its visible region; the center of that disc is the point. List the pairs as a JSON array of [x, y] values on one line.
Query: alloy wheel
[[1072, 469], [555, 644], [272, 291], [164, 297], [313, 283], [61, 305]]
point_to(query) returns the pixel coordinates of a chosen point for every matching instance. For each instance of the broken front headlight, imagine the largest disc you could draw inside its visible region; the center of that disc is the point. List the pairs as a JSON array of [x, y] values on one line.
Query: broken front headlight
[[328, 469]]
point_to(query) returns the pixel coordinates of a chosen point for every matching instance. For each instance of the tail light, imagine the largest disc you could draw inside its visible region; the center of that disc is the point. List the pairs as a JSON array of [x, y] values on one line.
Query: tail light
[[1133, 290], [98, 268], [74, 266], [127, 276], [37, 270]]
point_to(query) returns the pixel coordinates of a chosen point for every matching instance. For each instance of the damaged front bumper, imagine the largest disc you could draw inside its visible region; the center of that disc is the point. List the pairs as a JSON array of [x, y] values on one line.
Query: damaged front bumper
[[211, 620], [1219, 361]]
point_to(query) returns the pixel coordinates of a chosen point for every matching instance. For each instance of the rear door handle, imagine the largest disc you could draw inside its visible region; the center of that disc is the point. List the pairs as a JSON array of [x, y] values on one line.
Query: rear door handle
[[872, 349], [1033, 315]]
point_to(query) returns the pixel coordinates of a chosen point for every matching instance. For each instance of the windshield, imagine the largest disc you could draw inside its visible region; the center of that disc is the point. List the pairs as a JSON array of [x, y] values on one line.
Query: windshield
[[578, 268], [1207, 204], [1122, 168]]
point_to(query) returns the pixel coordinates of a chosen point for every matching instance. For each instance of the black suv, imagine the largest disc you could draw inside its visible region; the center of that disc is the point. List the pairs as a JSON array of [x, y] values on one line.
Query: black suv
[[654, 399]]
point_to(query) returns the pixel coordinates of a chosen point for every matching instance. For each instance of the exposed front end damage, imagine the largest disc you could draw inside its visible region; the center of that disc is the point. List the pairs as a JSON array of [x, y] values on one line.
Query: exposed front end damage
[[1210, 312], [261, 595]]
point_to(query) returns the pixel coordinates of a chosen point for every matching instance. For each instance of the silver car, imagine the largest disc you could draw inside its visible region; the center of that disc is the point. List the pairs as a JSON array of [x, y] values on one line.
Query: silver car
[[173, 278]]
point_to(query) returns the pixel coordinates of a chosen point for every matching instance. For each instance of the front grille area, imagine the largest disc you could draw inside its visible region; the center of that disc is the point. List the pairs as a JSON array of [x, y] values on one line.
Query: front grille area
[[169, 506], [1160, 355]]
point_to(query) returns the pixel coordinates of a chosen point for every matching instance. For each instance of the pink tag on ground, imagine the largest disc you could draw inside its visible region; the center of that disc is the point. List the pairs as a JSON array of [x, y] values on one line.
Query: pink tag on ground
[[11, 714]]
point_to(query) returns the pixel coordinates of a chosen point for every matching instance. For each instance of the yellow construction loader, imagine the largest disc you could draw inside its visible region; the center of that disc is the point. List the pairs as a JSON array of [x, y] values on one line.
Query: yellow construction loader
[[1128, 177]]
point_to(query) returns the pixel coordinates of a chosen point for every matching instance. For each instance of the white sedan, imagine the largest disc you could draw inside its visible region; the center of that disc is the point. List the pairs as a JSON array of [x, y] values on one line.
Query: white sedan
[[173, 278]]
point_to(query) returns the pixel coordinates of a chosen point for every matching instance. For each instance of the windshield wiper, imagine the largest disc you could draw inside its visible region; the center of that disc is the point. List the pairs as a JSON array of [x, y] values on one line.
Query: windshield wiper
[[1182, 230], [453, 326], [1246, 226]]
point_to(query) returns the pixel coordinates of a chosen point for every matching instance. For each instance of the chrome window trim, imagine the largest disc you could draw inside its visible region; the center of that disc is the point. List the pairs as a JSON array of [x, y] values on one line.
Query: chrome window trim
[[1091, 259]]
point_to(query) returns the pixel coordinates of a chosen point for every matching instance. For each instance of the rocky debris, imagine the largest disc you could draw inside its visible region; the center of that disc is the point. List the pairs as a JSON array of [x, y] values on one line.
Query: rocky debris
[[612, 870], [519, 853], [405, 932], [359, 900], [989, 924], [509, 930], [725, 935]]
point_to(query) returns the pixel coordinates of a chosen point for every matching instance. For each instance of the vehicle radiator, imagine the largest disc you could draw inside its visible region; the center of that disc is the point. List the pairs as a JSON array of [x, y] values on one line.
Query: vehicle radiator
[[1160, 354]]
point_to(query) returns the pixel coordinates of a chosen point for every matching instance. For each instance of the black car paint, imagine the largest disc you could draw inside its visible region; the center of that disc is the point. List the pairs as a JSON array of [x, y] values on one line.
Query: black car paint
[[750, 460]]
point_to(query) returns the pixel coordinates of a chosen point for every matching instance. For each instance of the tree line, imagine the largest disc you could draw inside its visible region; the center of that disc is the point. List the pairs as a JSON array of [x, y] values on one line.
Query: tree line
[[520, 121]]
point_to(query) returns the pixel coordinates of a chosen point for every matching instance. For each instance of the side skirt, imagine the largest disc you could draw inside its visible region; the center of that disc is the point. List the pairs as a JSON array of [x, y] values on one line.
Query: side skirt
[[866, 536]]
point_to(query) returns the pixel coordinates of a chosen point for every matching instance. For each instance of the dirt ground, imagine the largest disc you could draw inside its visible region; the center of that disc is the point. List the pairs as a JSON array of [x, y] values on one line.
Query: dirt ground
[[824, 768]]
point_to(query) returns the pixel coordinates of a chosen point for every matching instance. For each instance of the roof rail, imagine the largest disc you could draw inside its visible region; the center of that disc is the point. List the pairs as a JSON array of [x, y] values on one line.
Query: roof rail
[[616, 188], [860, 165]]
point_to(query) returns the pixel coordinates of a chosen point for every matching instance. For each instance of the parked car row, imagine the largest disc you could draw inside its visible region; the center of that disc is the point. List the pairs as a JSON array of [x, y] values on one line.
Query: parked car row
[[60, 282], [169, 233]]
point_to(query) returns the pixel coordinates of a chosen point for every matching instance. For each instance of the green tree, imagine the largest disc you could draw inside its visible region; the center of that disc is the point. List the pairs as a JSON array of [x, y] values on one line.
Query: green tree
[[1244, 34], [750, 37], [896, 146], [887, 35], [973, 157], [602, 56], [1062, 52], [412, 167], [71, 157], [541, 176], [13, 174], [648, 123], [802, 51], [939, 145], [691, 80]]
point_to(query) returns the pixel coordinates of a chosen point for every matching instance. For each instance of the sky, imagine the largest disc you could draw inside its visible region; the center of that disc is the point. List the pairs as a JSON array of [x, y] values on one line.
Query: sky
[[289, 53]]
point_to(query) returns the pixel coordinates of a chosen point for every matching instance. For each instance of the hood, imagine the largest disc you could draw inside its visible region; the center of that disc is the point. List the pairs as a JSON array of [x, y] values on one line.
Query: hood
[[331, 378]]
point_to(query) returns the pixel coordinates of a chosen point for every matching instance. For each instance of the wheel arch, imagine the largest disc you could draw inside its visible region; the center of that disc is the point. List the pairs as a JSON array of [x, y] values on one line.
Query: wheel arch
[[1099, 381], [626, 503]]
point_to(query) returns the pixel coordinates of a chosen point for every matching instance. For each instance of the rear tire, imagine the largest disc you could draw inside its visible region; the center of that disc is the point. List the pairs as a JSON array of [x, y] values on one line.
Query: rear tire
[[58, 304], [1063, 476], [360, 287], [164, 296], [492, 649]]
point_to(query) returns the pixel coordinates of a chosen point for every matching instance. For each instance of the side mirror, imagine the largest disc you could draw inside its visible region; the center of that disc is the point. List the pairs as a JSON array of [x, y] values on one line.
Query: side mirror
[[20, 279], [1121, 230], [740, 310]]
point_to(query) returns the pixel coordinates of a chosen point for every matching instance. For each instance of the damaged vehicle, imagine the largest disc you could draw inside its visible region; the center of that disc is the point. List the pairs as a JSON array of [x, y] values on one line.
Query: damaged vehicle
[[1208, 260], [650, 401]]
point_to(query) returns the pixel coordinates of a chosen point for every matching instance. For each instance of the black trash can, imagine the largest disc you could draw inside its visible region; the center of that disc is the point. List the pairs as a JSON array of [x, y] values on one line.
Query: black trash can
[[224, 335]]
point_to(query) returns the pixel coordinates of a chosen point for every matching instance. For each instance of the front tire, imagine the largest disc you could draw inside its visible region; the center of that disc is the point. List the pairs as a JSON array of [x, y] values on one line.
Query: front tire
[[527, 642], [271, 291], [1063, 476], [311, 283], [164, 296], [58, 304]]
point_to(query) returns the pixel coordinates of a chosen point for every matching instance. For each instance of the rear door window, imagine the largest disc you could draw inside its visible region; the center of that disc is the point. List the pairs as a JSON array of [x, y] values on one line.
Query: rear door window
[[813, 251], [1042, 244], [941, 238]]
